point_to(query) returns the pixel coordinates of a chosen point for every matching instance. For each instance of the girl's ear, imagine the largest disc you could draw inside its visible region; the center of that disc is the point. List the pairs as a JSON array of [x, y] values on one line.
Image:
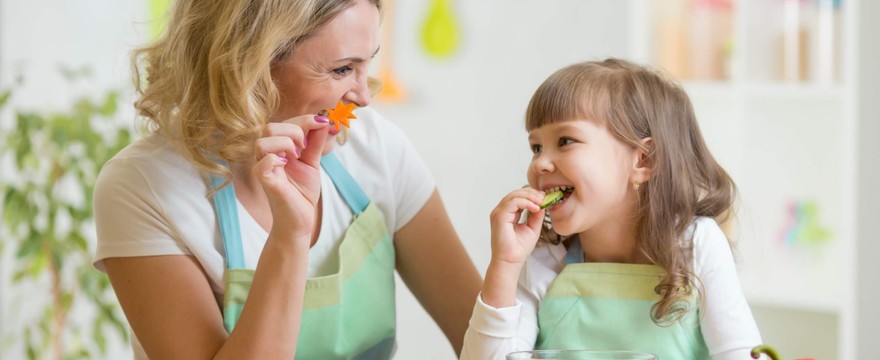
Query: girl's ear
[[643, 162]]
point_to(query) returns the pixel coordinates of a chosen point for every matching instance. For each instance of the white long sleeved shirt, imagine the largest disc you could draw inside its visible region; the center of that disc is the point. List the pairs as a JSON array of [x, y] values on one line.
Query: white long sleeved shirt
[[726, 320]]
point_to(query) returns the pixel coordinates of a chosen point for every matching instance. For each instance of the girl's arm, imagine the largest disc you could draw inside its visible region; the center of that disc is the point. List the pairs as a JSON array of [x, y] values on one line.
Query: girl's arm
[[435, 266], [496, 319], [727, 324]]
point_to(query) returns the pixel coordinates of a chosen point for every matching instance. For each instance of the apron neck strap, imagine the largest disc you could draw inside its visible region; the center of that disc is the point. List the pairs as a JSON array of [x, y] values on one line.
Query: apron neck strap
[[346, 185], [227, 217], [575, 253], [226, 206]]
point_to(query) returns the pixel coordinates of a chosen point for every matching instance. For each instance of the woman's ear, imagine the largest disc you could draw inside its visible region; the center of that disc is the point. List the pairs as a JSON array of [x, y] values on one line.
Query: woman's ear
[[643, 162]]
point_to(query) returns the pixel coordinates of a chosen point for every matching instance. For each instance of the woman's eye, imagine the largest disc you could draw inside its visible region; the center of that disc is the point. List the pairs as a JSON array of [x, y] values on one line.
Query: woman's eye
[[565, 141], [342, 71], [536, 149]]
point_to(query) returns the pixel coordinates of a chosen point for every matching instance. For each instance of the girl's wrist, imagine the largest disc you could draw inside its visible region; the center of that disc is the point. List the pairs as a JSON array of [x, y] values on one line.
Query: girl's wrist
[[499, 287]]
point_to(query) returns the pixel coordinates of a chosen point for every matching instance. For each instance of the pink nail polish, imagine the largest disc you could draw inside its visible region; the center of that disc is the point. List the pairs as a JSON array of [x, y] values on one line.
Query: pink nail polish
[[321, 119], [283, 159], [298, 151]]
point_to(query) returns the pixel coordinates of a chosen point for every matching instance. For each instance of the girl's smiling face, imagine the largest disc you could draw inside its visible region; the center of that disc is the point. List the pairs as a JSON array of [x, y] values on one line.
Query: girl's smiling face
[[585, 156]]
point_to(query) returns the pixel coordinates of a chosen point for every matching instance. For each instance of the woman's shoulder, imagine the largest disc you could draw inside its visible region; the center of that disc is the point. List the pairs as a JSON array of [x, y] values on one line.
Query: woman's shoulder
[[150, 164]]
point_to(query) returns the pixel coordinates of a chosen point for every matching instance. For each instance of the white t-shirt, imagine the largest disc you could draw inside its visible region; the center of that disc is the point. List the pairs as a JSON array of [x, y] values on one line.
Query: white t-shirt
[[150, 201], [726, 321]]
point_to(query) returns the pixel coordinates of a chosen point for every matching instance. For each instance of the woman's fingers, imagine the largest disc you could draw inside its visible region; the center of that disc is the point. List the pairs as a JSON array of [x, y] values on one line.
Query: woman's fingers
[[289, 136], [266, 169], [316, 138], [283, 147]]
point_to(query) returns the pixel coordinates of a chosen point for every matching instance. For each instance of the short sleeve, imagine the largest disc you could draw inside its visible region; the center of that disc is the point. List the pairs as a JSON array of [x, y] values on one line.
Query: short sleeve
[[128, 218]]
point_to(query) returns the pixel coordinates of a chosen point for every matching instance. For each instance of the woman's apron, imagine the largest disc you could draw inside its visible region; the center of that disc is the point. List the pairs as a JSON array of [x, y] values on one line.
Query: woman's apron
[[607, 306], [346, 315]]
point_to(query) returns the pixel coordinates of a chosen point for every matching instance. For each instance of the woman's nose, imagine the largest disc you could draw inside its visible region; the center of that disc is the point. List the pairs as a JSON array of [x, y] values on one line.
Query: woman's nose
[[359, 94]]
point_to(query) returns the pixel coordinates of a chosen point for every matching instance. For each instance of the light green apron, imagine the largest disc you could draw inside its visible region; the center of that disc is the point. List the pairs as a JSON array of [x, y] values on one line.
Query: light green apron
[[607, 306], [349, 314]]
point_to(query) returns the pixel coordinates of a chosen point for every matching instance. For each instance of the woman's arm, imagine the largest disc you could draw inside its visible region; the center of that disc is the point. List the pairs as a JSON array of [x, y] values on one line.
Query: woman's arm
[[435, 266], [171, 309]]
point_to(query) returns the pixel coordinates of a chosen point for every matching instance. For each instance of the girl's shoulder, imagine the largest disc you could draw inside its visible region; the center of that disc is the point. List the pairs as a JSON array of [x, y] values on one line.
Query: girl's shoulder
[[705, 231]]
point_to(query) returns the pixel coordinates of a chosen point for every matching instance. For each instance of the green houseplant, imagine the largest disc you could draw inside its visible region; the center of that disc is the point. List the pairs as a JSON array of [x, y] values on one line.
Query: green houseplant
[[48, 221]]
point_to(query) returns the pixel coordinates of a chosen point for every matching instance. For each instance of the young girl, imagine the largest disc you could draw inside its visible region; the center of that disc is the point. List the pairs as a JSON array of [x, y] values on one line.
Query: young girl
[[634, 259]]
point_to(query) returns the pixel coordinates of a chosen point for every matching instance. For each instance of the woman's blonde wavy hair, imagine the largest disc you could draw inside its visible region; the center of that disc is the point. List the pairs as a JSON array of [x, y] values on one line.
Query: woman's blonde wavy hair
[[636, 102], [206, 83]]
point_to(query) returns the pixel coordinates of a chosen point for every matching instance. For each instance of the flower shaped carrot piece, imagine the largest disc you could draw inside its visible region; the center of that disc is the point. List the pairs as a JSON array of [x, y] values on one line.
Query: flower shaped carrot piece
[[341, 114]]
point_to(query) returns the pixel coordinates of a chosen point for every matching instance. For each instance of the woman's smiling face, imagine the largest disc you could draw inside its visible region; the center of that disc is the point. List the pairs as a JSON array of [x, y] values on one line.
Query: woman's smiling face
[[584, 156], [330, 65]]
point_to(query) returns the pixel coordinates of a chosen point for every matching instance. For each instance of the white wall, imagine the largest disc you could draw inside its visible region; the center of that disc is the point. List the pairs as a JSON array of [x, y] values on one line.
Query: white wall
[[463, 114]]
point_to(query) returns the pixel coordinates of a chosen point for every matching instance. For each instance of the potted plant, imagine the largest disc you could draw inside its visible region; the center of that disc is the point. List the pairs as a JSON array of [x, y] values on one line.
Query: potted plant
[[48, 228]]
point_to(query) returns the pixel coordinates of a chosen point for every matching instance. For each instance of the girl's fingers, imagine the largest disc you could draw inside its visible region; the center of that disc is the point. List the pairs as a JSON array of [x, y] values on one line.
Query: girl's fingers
[[535, 196], [535, 220], [510, 209]]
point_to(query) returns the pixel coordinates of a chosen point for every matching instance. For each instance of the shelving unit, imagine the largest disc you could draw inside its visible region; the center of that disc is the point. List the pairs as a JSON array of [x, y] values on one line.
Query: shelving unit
[[780, 113]]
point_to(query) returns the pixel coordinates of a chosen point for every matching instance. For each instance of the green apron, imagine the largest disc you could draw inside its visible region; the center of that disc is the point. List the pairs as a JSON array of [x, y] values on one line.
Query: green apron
[[607, 306], [349, 314]]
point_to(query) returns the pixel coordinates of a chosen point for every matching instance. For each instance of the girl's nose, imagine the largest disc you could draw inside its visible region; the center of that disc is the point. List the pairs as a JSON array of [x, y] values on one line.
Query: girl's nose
[[542, 164]]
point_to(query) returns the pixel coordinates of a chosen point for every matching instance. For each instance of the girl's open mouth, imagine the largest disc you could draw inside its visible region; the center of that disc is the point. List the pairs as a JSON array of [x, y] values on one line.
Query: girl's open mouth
[[555, 196]]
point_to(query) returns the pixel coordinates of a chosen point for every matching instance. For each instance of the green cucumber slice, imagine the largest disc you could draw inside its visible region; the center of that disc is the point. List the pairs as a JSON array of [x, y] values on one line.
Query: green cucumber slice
[[551, 198]]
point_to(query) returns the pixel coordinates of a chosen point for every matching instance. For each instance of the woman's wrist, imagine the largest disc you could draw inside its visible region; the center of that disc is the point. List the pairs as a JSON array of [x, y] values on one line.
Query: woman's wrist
[[292, 239]]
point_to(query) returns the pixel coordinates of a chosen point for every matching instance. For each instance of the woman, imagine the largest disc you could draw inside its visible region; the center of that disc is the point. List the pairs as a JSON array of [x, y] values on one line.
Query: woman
[[227, 234]]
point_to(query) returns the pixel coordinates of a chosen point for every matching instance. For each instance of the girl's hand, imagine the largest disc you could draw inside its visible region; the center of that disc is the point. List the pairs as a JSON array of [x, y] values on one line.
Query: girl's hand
[[288, 166], [512, 242]]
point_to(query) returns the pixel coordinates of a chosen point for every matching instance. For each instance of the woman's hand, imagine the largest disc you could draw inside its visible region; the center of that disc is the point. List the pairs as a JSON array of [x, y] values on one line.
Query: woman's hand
[[512, 242], [288, 166]]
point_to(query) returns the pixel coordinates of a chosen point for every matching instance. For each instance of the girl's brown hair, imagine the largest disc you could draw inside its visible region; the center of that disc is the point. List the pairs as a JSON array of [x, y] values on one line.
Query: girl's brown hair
[[636, 102], [206, 83]]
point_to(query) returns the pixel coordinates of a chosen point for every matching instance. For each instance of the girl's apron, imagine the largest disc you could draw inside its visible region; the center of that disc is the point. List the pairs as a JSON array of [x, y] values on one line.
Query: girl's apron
[[607, 306], [346, 315]]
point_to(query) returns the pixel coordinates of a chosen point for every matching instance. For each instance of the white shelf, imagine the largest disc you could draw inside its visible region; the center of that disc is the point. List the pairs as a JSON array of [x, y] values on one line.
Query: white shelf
[[784, 142]]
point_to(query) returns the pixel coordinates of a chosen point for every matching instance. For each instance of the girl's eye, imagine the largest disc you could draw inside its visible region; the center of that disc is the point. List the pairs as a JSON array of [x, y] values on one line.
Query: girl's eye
[[536, 149], [565, 141], [342, 71]]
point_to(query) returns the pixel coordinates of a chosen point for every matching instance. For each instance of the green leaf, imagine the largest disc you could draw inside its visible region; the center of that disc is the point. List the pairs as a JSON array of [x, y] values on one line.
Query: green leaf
[[100, 338], [13, 211], [4, 97], [31, 246], [110, 103]]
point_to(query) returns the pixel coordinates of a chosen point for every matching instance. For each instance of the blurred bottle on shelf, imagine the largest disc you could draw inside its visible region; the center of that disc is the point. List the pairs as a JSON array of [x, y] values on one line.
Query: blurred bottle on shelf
[[694, 38], [711, 39], [795, 40], [671, 44], [828, 49], [811, 40]]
